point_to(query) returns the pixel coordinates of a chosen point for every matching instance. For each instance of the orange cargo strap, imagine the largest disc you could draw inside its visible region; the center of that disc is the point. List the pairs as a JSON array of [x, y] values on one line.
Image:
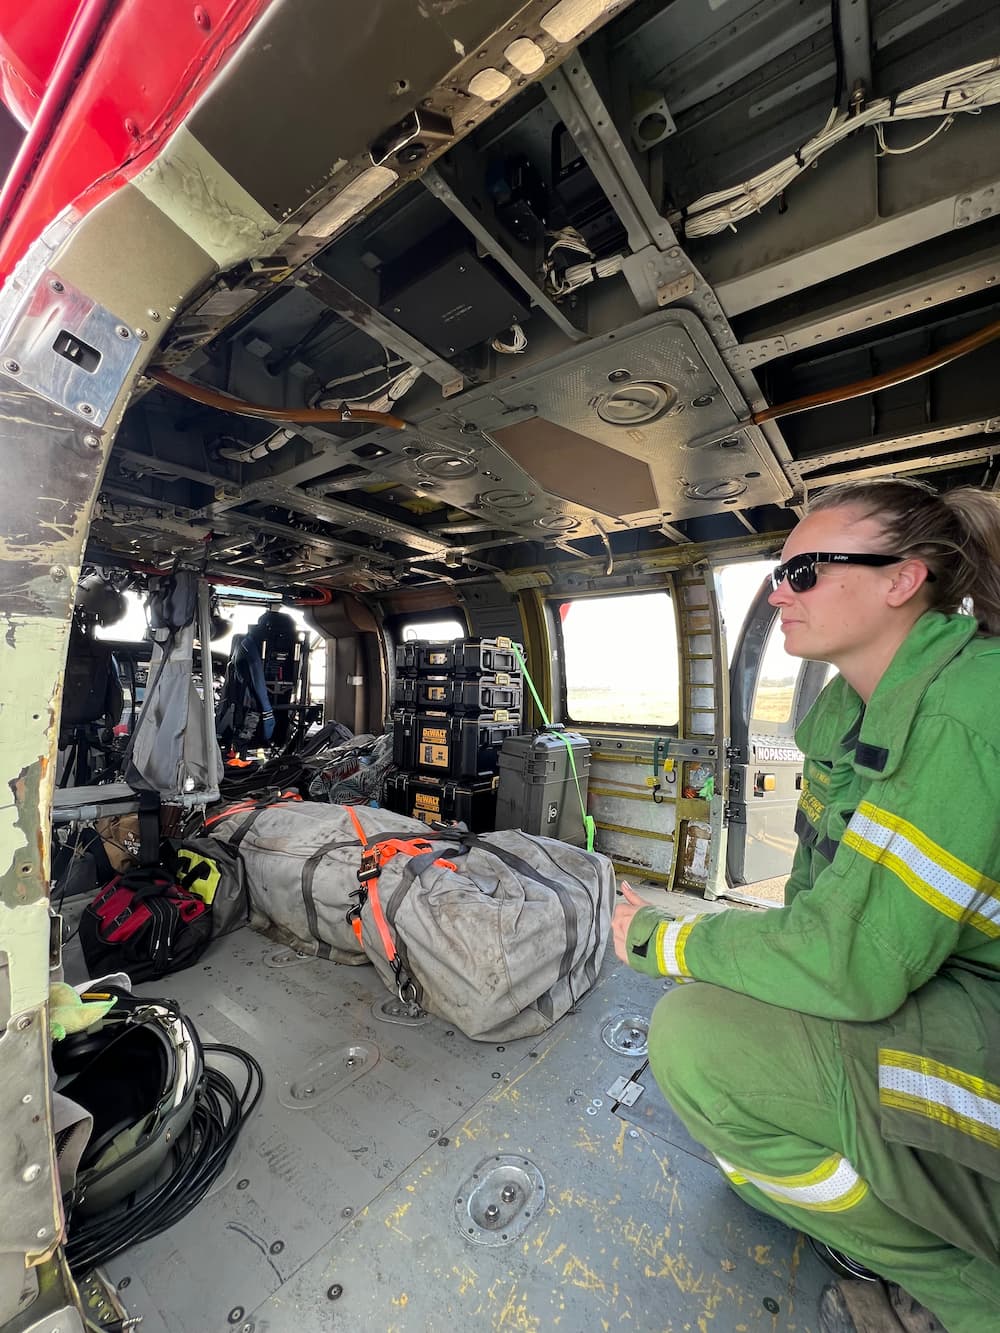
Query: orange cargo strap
[[373, 858], [243, 807]]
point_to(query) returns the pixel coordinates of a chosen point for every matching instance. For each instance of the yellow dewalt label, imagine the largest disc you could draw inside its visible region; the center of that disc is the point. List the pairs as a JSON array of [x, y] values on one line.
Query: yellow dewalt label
[[436, 756], [503, 642], [436, 692], [503, 678], [425, 801], [501, 715], [437, 659], [433, 736], [426, 816]]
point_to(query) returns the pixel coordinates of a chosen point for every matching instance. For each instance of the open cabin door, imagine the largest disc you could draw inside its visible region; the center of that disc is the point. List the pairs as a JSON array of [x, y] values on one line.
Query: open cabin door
[[770, 694]]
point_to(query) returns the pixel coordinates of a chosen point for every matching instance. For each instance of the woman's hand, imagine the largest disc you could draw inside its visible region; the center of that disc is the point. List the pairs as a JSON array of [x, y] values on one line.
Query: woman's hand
[[625, 910]]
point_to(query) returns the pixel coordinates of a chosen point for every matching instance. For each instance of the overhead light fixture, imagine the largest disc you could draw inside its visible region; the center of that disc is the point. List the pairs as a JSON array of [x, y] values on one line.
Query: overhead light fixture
[[351, 200], [526, 56], [489, 84], [568, 18]]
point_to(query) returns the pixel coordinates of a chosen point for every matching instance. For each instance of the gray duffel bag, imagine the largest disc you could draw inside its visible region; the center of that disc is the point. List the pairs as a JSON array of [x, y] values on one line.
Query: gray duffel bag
[[501, 946]]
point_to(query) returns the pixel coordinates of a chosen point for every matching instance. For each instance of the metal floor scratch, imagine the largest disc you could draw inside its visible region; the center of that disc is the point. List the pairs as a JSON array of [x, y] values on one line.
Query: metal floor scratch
[[342, 1215]]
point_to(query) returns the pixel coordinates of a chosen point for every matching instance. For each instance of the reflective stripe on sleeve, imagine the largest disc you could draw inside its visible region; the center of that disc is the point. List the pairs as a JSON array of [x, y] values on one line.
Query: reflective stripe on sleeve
[[933, 874], [832, 1187], [949, 1096], [671, 939]]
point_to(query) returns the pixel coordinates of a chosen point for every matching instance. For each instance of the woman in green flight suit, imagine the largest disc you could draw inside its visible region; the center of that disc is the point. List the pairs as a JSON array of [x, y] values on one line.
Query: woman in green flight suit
[[843, 1064]]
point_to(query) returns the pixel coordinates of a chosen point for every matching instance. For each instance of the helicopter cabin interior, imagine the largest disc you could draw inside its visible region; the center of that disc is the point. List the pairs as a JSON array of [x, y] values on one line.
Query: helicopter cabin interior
[[455, 370]]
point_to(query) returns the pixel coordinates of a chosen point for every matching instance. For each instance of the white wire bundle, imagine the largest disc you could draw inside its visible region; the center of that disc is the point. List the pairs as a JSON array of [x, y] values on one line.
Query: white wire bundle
[[577, 275], [380, 399], [518, 343], [390, 393], [965, 90]]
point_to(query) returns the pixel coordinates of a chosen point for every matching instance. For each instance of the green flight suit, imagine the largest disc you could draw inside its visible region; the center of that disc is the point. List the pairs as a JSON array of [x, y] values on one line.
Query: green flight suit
[[844, 1064]]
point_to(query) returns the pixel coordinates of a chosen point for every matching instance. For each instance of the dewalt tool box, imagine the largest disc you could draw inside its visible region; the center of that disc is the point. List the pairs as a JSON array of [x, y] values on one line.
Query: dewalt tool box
[[461, 657], [454, 747], [482, 694], [434, 799]]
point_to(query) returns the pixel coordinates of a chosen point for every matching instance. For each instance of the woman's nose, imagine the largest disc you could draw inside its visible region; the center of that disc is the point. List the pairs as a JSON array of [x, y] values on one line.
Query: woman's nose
[[781, 595]]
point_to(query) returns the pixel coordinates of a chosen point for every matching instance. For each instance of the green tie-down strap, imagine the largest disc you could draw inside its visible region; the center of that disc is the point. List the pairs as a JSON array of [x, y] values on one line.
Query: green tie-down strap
[[589, 827]]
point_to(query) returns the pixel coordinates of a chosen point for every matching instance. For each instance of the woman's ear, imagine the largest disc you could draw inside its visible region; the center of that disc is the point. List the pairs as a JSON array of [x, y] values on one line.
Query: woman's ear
[[907, 580]]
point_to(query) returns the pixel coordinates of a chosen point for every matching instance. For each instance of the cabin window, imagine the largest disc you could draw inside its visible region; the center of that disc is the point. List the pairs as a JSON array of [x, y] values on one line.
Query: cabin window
[[414, 630], [620, 660], [776, 681]]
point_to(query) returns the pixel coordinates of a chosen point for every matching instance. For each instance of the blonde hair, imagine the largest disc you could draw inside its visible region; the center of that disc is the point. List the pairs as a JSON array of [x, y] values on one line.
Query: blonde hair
[[956, 533]]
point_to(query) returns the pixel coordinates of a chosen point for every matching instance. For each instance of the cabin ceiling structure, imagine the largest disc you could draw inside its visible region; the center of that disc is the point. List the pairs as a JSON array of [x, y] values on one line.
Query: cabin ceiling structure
[[478, 176]]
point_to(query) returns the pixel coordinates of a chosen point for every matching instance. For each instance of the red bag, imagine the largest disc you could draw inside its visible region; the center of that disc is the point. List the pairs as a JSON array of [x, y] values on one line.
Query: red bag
[[144, 923]]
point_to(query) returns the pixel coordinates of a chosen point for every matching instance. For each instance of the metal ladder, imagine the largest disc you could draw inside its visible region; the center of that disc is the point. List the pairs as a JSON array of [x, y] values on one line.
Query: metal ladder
[[704, 720]]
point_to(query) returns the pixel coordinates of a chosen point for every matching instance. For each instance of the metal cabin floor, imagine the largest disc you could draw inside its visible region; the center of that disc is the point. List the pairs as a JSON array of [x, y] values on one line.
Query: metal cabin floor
[[357, 1192]]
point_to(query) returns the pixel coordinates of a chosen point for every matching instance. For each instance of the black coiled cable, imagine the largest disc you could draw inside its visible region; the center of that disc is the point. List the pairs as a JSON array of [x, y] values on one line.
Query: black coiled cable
[[197, 1161]]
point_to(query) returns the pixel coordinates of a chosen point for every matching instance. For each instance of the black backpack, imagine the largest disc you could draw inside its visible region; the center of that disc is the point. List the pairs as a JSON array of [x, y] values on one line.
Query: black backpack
[[144, 923]]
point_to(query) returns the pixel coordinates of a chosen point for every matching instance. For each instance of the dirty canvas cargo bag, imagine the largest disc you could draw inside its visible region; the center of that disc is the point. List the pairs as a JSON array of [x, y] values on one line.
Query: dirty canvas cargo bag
[[499, 933], [501, 946], [145, 924], [214, 872], [301, 862]]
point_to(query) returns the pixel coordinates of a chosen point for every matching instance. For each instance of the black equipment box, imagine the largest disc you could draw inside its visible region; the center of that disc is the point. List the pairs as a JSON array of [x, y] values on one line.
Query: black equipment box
[[461, 657], [482, 694], [434, 800], [449, 297], [537, 790], [453, 747]]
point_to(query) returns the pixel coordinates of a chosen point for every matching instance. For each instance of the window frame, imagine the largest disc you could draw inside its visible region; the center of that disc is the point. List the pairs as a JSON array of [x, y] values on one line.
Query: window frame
[[633, 728]]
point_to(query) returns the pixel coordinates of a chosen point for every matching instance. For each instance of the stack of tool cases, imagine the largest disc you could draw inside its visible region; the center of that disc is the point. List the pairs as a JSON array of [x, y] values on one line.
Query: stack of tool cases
[[456, 704]]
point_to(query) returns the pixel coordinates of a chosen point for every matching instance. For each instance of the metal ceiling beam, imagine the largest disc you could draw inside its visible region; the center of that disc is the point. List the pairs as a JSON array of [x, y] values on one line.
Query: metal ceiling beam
[[443, 191], [830, 316], [246, 525], [357, 312], [572, 92], [886, 447], [856, 47], [892, 205]]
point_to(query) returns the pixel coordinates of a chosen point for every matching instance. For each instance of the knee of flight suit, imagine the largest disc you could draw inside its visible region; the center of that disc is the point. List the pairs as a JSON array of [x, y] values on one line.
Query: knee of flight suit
[[684, 1033]]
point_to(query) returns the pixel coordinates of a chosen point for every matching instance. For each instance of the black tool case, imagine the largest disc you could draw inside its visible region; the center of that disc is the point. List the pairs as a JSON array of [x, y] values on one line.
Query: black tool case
[[454, 747], [434, 799], [461, 657], [477, 694]]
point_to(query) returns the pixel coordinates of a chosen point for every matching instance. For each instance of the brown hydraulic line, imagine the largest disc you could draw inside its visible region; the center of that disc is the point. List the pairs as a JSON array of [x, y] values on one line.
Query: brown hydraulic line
[[212, 398], [910, 371]]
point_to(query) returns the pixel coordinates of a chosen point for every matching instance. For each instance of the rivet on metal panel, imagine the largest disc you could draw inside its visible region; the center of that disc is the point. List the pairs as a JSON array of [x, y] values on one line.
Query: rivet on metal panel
[[12, 367], [31, 1173], [25, 1020]]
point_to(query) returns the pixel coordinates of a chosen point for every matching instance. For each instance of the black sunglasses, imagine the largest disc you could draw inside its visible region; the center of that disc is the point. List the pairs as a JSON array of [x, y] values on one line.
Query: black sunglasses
[[800, 571]]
